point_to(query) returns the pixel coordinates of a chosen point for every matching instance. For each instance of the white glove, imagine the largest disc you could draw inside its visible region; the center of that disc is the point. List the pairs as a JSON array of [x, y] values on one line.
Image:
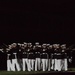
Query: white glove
[[70, 60]]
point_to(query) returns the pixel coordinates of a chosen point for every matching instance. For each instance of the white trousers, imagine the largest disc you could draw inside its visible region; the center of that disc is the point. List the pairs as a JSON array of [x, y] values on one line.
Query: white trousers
[[49, 64], [37, 64], [31, 64], [52, 64], [57, 64], [44, 64], [9, 65], [64, 64], [16, 66], [25, 64]]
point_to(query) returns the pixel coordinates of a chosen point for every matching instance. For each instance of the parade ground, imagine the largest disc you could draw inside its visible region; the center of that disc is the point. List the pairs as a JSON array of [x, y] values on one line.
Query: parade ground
[[71, 71]]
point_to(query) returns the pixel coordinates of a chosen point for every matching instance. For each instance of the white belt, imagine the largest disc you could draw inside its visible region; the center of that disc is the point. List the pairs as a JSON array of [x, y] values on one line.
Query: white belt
[[44, 53], [30, 53], [58, 54], [37, 52], [8, 54], [24, 53], [14, 53]]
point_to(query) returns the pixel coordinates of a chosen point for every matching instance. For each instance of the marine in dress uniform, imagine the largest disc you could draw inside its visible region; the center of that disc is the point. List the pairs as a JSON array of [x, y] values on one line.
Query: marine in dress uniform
[[49, 50], [52, 58], [37, 49], [24, 57], [15, 63], [19, 55], [10, 66], [44, 58], [64, 58], [68, 58], [30, 57], [57, 57]]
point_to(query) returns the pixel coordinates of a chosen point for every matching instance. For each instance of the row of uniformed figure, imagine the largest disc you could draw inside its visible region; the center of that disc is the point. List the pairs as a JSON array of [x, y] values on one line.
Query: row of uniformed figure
[[45, 57]]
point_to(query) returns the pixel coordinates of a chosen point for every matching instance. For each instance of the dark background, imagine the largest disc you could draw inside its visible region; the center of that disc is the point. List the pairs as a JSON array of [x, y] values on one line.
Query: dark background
[[44, 21]]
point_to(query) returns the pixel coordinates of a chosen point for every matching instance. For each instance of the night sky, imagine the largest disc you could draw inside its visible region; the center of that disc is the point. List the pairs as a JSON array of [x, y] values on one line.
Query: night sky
[[44, 21]]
